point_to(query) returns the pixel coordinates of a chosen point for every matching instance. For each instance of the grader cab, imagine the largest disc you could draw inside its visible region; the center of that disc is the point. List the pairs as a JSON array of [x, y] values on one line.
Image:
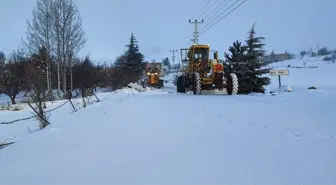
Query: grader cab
[[202, 73]]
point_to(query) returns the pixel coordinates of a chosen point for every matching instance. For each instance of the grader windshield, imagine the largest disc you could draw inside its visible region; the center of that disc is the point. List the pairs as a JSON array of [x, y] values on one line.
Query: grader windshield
[[196, 53], [201, 54]]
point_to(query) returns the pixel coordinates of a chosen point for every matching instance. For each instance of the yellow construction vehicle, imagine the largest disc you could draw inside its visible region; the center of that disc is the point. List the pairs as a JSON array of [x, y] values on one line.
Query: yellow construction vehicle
[[154, 73], [199, 72]]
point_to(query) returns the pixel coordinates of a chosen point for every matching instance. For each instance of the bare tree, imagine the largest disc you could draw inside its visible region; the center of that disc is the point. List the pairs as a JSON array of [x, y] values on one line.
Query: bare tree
[[69, 36], [57, 26], [39, 31], [35, 76]]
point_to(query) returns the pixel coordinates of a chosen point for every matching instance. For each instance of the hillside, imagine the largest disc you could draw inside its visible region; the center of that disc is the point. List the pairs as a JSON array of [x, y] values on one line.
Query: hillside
[[305, 73], [162, 137]]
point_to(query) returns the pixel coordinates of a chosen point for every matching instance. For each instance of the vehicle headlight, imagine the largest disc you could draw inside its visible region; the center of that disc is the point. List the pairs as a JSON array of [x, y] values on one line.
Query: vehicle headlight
[[148, 73], [156, 73]]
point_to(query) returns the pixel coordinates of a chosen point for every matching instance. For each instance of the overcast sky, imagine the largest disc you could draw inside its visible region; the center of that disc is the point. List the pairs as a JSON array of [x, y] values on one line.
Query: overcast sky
[[160, 25]]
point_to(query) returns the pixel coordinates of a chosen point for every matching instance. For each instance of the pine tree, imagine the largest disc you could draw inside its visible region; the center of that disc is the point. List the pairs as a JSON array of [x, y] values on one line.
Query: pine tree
[[166, 62], [131, 63], [303, 53], [236, 58], [256, 67], [271, 57], [235, 63], [272, 53]]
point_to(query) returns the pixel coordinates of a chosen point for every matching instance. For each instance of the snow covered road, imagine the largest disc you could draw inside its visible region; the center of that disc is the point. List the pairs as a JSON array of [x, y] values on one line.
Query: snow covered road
[[161, 137], [164, 138]]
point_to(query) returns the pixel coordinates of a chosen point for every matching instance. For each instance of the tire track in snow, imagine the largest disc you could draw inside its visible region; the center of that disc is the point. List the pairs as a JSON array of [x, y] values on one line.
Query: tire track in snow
[[294, 135]]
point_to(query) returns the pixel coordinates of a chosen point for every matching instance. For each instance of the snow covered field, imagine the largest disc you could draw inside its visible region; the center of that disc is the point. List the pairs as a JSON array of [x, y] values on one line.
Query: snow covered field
[[160, 137]]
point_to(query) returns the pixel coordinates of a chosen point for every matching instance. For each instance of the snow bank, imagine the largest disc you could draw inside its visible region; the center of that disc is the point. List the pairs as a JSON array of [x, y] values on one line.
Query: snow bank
[[17, 124], [137, 87], [19, 129]]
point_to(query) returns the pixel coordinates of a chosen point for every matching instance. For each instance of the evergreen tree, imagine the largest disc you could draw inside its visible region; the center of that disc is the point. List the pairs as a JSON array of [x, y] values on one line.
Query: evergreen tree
[[131, 64], [272, 53], [271, 58], [256, 67], [303, 53], [166, 62], [134, 57], [323, 51], [235, 63], [236, 59]]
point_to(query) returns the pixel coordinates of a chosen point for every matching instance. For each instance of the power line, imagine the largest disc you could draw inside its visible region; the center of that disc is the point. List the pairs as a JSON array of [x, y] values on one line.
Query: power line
[[218, 4], [204, 5], [209, 8], [212, 16], [223, 17], [222, 13]]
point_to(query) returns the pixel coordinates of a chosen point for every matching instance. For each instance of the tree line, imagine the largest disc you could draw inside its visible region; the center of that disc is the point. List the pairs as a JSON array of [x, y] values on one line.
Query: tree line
[[22, 72], [47, 59], [324, 51]]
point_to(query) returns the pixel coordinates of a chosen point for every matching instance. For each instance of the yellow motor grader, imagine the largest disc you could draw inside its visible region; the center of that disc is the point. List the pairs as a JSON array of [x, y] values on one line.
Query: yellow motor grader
[[199, 72], [154, 73]]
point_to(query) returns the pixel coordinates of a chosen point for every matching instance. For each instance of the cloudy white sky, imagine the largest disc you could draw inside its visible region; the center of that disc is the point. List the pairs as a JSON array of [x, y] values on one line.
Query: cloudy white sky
[[160, 25]]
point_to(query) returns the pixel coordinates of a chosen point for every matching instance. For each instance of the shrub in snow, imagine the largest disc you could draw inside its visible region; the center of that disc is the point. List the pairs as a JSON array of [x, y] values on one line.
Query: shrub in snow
[[327, 59], [15, 107], [312, 87]]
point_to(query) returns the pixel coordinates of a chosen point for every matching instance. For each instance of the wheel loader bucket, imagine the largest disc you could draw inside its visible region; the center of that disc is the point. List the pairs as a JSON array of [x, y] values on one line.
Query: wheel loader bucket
[[152, 79]]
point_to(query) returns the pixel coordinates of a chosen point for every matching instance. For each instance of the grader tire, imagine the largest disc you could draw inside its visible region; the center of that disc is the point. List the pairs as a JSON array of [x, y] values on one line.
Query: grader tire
[[197, 85], [232, 84], [180, 84], [161, 84]]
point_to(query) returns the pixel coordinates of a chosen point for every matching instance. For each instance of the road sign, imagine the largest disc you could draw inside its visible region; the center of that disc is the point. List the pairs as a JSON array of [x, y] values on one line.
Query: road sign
[[279, 72]]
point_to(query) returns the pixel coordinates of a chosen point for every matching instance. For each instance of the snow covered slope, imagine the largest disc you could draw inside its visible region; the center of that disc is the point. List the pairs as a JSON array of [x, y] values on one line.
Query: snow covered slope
[[307, 72], [160, 137]]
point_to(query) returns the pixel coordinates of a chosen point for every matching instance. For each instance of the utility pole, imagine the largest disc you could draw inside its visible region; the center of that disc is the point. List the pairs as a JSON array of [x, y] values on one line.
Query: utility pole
[[173, 58], [196, 33]]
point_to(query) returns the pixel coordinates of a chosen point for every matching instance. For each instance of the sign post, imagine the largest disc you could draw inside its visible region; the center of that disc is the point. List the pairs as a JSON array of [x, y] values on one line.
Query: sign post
[[279, 73]]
